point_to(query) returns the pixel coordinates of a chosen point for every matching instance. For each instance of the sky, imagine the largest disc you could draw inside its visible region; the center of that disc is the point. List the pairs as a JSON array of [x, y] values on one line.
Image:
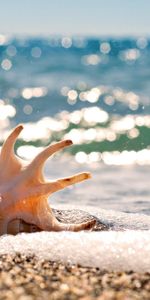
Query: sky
[[75, 17]]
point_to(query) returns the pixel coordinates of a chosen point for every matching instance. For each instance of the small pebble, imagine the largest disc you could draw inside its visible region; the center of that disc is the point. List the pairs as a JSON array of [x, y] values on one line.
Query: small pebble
[[27, 278]]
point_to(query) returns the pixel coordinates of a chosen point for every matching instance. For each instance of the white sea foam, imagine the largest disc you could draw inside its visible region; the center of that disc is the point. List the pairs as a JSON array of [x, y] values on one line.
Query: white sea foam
[[112, 250], [115, 251]]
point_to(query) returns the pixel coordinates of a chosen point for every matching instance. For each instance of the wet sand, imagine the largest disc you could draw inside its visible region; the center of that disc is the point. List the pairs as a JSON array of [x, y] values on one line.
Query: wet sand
[[26, 278]]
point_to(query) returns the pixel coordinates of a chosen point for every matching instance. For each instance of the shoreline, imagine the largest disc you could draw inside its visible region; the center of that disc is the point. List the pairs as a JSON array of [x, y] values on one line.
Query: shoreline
[[25, 278]]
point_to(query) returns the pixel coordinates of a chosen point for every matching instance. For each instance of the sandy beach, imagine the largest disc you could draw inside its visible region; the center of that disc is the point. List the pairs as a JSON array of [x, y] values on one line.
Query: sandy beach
[[75, 83], [26, 278]]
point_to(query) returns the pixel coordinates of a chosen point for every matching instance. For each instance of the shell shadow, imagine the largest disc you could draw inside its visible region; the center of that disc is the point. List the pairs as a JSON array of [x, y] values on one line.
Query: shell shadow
[[79, 216]]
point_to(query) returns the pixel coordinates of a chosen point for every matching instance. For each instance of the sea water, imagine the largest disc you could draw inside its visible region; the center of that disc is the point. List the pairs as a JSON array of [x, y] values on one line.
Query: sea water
[[95, 92]]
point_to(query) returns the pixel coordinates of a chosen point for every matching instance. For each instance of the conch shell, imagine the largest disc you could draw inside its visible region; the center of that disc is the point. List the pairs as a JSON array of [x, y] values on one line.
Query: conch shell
[[24, 192]]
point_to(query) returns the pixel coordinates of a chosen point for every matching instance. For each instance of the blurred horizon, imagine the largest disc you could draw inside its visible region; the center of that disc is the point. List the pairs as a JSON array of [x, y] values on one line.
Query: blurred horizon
[[26, 36]]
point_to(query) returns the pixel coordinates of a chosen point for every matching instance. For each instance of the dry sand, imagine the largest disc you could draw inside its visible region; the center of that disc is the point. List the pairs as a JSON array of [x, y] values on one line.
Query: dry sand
[[27, 278]]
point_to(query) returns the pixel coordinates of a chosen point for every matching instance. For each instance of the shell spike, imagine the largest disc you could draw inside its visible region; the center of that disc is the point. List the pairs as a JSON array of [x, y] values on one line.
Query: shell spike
[[75, 227], [8, 146], [62, 183], [10, 165], [54, 186], [37, 164]]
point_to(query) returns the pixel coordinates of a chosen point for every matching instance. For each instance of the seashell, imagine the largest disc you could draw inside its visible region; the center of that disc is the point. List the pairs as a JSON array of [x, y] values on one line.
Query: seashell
[[24, 192]]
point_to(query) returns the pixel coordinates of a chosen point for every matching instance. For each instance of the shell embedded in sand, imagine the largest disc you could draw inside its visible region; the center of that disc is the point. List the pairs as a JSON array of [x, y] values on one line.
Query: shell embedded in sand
[[24, 192]]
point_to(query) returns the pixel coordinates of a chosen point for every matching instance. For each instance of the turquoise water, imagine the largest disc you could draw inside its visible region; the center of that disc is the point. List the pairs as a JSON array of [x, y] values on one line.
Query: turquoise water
[[93, 91], [82, 84]]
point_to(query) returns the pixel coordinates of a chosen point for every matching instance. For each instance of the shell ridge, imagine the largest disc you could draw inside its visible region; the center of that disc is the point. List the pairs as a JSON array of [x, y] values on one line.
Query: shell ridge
[[24, 191]]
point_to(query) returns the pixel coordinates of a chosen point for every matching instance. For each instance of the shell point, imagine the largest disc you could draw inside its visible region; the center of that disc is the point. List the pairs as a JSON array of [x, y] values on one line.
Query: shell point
[[69, 142], [88, 175]]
